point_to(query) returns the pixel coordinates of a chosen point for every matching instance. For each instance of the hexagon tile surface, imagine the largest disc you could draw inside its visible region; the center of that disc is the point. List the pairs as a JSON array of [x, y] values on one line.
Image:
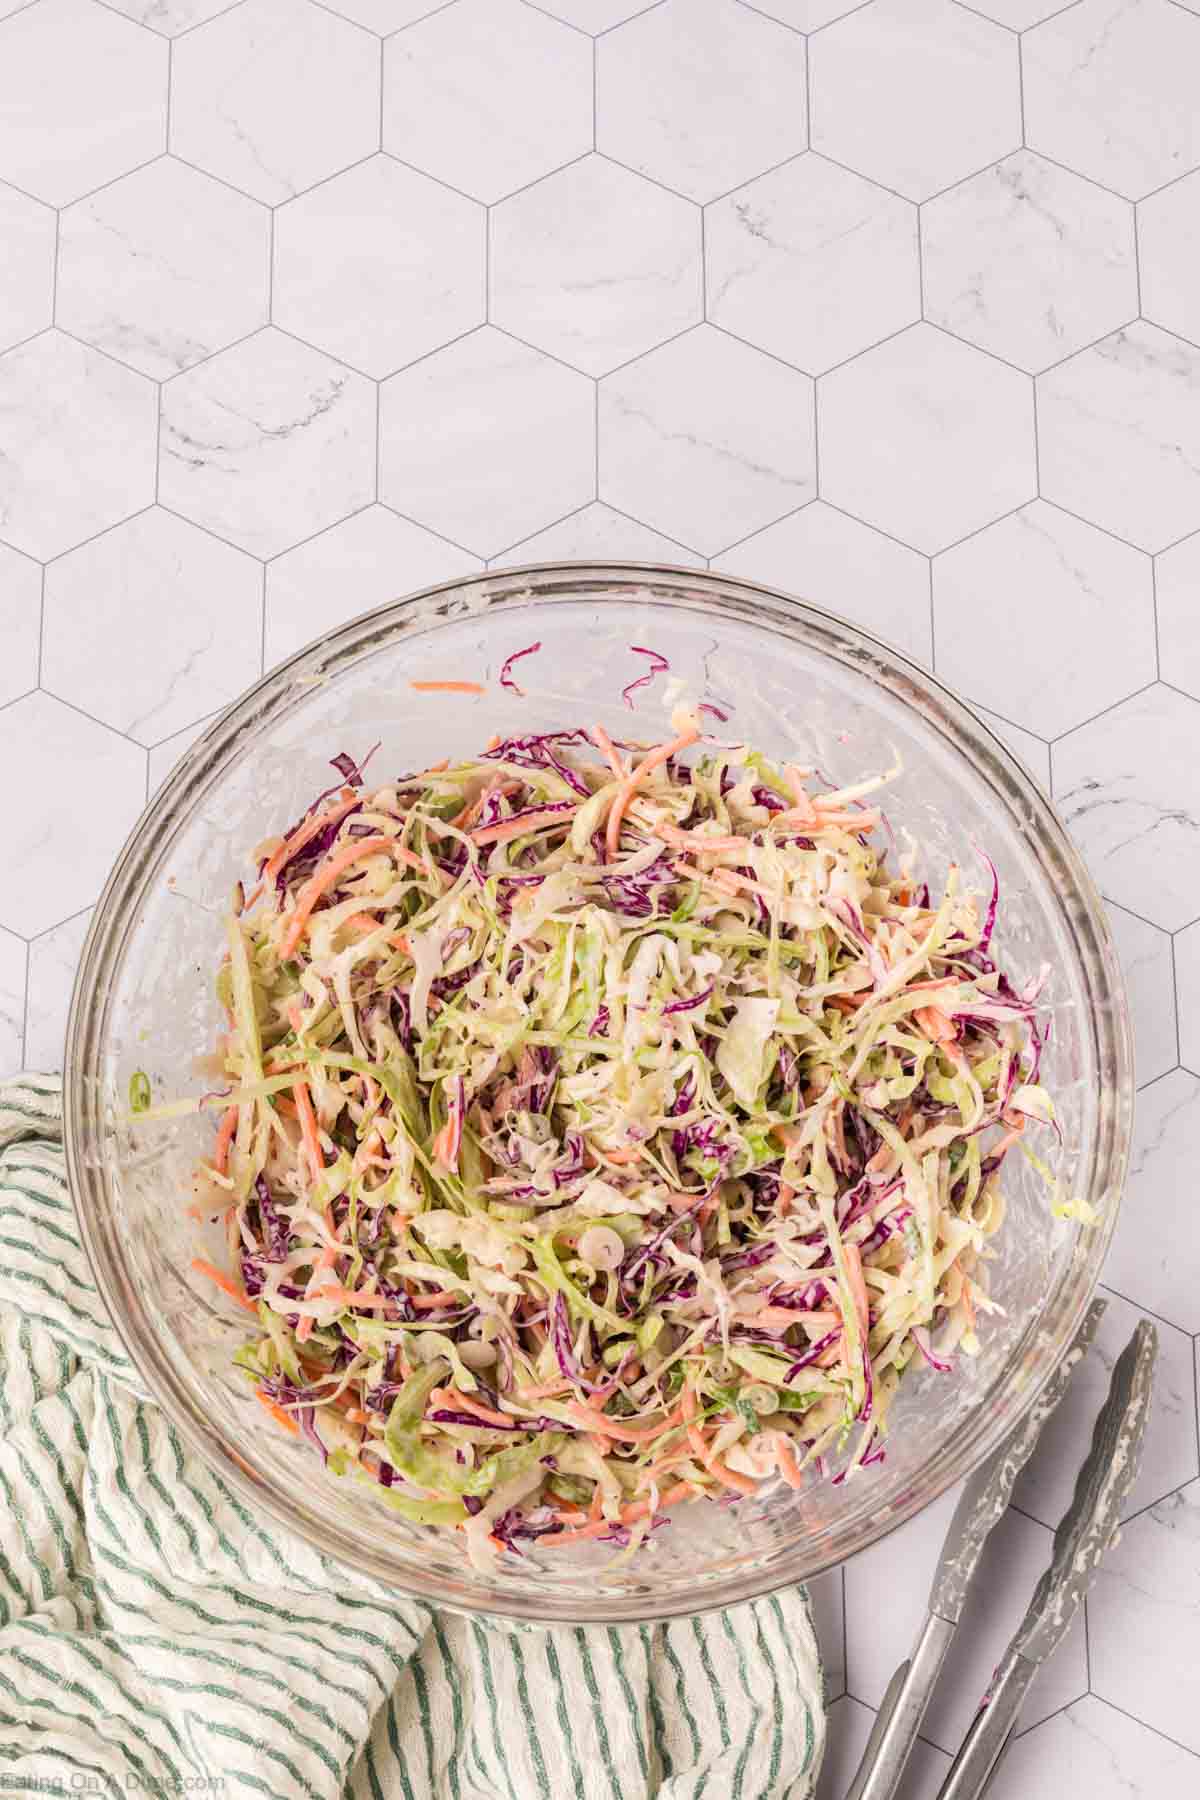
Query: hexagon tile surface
[[890, 304]]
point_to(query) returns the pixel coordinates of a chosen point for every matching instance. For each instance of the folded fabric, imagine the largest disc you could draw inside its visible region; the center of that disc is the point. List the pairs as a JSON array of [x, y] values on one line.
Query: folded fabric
[[157, 1638]]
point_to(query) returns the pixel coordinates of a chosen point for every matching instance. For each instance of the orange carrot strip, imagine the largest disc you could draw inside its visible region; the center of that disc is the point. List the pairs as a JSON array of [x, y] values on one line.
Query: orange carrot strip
[[608, 749], [277, 1413], [544, 1392], [486, 1415], [934, 1025], [629, 1515], [226, 1283], [741, 1484], [512, 828], [705, 1454], [308, 1127], [448, 687], [787, 1462], [344, 1296], [654, 759], [323, 879], [310, 829], [426, 1302], [228, 1125], [601, 1424]]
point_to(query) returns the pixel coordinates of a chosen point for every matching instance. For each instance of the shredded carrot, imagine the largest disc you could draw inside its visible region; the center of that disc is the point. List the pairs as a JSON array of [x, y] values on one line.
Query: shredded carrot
[[310, 829], [654, 759], [507, 829], [786, 1460], [448, 687], [427, 1302], [277, 1413], [335, 864], [308, 1127], [226, 1283], [603, 1426], [934, 1024], [608, 749], [544, 1392], [229, 1124], [343, 1296], [486, 1415], [629, 1515]]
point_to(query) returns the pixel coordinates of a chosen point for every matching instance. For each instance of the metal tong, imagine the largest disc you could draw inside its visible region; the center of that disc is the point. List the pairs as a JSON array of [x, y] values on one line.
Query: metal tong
[[1084, 1534]]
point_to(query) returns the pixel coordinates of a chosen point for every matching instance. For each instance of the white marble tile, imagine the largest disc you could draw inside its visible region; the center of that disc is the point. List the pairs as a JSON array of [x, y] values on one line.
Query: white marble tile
[[593, 15], [1144, 1620], [1029, 261], [379, 266], [1176, 587], [700, 95], [1128, 785], [881, 1636], [812, 263], [104, 647], [53, 959], [596, 265], [1169, 1453], [827, 1598], [71, 121], [706, 439], [1145, 955], [161, 758], [384, 16], [487, 95], [915, 94], [926, 438], [1119, 435], [805, 15], [78, 443], [20, 623], [1042, 576], [1029, 749], [1092, 1749], [487, 441], [847, 1728], [1168, 227], [274, 95], [1187, 988], [834, 562], [12, 1003], [163, 267], [63, 830], [1110, 91], [27, 269], [597, 533], [1018, 15], [1155, 1255], [170, 17], [267, 443], [366, 561]]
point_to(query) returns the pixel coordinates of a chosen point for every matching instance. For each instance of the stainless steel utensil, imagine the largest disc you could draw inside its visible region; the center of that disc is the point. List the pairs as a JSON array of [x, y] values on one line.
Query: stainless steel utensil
[[1086, 1532], [982, 1504]]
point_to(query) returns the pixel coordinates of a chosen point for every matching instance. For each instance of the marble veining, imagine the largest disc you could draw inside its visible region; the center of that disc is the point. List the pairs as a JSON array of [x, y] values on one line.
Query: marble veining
[[891, 304]]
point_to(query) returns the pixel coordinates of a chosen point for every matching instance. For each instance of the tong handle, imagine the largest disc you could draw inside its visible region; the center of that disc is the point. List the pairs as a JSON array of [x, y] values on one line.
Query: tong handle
[[989, 1730], [899, 1721]]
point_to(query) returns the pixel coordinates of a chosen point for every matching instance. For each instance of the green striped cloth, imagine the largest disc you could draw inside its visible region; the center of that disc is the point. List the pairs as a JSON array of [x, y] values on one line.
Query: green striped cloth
[[157, 1638]]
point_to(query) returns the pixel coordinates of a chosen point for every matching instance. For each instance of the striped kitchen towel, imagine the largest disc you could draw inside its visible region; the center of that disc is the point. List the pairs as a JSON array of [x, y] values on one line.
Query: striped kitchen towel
[[156, 1638]]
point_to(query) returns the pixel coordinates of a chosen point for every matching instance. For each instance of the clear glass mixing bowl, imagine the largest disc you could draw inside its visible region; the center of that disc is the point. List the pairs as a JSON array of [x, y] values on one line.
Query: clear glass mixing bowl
[[798, 682]]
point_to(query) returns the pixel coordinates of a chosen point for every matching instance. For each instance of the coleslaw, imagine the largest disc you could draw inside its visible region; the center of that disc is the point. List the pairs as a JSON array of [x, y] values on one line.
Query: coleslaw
[[608, 1126]]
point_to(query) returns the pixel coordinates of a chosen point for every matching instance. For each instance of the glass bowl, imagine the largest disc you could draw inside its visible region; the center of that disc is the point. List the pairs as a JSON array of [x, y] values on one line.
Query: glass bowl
[[796, 681]]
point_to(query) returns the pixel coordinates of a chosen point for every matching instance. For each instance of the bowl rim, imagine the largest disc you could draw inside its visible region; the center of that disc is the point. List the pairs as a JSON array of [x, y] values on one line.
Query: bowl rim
[[234, 729]]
